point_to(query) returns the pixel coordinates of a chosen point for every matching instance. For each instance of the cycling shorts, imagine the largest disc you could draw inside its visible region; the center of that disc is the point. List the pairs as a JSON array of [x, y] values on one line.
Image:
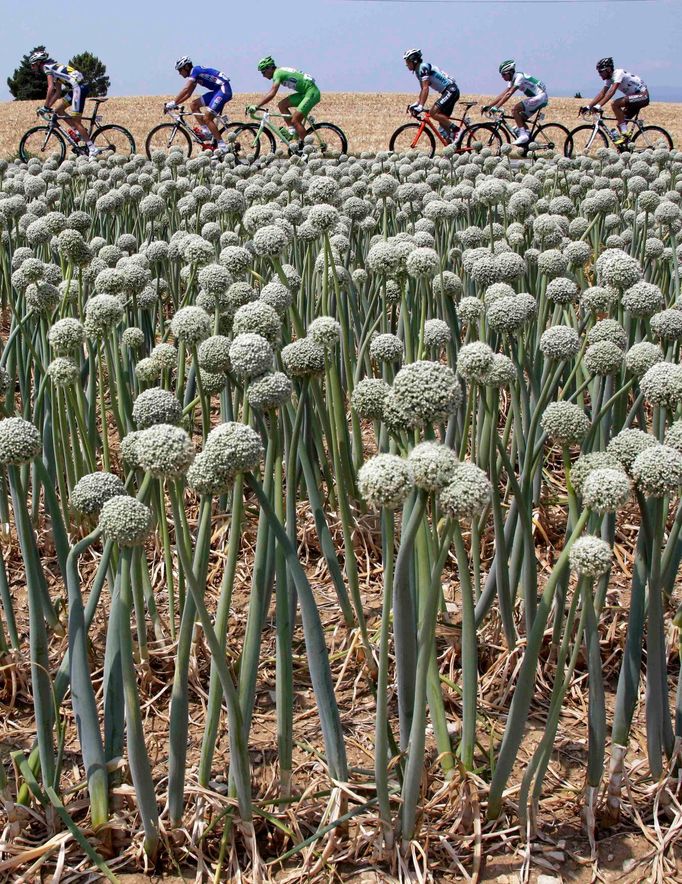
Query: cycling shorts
[[75, 96], [534, 103], [216, 100], [445, 104], [304, 102], [633, 104]]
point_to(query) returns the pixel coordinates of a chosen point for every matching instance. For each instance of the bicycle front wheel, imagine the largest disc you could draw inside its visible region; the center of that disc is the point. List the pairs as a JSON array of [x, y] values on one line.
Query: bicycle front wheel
[[407, 137], [487, 135], [166, 136], [551, 136], [585, 141], [114, 139], [44, 143], [649, 137], [244, 141], [330, 141]]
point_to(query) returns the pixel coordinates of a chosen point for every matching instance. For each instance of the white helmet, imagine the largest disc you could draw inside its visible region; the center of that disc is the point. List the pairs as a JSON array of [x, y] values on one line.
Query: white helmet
[[182, 62], [38, 56], [413, 55]]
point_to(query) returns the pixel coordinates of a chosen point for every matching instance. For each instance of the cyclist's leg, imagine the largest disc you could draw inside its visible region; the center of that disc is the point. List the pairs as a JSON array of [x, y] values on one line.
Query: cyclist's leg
[[213, 103], [77, 100], [619, 105], [304, 104], [634, 104], [444, 105]]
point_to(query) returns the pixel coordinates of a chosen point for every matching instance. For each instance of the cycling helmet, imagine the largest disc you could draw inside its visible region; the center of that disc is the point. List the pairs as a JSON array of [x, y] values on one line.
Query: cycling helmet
[[508, 66], [413, 55], [605, 64], [267, 62], [39, 56], [183, 62]]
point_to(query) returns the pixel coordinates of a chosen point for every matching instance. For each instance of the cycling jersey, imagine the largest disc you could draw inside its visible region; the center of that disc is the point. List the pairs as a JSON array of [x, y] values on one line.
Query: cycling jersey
[[530, 86], [629, 84], [290, 78], [63, 72], [437, 79], [209, 78]]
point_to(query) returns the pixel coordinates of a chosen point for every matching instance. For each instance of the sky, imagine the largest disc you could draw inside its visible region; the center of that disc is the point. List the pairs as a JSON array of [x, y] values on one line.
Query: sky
[[356, 45]]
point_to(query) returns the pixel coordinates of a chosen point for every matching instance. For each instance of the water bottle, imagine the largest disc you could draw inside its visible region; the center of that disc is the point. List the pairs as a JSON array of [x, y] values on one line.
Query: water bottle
[[73, 134], [444, 133], [614, 133], [284, 132]]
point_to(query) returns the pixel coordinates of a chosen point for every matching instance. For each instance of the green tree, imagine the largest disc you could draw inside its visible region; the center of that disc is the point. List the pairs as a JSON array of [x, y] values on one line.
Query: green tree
[[26, 84], [94, 72]]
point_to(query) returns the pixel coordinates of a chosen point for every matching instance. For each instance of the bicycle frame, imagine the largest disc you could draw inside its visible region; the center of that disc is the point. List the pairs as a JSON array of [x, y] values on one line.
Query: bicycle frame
[[426, 120], [500, 121], [264, 123], [178, 117], [600, 125]]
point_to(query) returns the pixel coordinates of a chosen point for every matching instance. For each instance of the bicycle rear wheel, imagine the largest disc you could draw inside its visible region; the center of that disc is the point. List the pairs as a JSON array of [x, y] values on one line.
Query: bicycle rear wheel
[[114, 139], [551, 136], [649, 137], [330, 141], [585, 141], [44, 143], [243, 140], [488, 135], [407, 138], [167, 136]]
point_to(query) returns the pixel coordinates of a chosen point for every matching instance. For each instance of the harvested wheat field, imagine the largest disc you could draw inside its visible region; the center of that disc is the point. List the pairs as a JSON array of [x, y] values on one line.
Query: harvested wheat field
[[368, 119]]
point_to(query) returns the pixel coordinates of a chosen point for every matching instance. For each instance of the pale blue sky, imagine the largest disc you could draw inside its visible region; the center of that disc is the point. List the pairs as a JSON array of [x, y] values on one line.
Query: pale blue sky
[[355, 46]]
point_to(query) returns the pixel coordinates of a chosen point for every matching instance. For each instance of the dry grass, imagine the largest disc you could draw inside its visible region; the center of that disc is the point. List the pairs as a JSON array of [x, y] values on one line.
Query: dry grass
[[367, 118]]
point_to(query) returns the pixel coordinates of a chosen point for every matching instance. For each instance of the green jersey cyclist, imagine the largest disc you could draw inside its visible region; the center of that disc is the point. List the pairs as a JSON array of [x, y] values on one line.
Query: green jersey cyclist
[[635, 95], [536, 98], [431, 77], [304, 96]]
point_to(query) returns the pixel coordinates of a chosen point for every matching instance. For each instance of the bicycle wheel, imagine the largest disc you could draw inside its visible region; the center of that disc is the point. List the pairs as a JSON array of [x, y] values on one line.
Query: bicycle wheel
[[330, 141], [44, 143], [243, 139], [114, 139], [405, 138], [584, 140], [551, 136], [166, 136], [649, 137], [488, 135]]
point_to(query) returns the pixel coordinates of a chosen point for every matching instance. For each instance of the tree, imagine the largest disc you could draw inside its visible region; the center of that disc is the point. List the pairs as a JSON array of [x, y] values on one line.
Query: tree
[[26, 84], [94, 72]]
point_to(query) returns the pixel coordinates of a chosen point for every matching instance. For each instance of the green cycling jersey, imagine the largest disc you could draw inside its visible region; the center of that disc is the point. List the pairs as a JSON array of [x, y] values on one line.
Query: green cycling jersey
[[290, 78]]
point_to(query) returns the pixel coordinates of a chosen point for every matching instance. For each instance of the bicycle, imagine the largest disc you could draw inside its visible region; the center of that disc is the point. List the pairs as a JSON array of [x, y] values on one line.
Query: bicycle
[[331, 140], [587, 139], [179, 134], [549, 136], [427, 129], [50, 141]]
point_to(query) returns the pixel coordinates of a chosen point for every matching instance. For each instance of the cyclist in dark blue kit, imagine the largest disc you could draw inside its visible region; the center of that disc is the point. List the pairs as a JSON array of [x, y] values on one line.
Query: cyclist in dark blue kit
[[213, 101], [431, 77]]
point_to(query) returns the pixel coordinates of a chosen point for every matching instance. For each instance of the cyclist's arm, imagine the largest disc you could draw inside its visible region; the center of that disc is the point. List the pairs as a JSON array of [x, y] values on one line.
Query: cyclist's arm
[[268, 98], [424, 93], [186, 91], [53, 91], [608, 93], [503, 97]]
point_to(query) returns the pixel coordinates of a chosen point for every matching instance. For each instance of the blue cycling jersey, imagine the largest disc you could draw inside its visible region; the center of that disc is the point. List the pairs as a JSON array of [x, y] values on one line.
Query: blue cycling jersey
[[438, 79], [209, 78]]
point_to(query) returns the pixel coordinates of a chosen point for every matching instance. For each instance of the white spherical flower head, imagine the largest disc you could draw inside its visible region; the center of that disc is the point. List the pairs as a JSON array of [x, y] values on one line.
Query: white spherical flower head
[[640, 357], [662, 384], [126, 521], [63, 371], [560, 342], [437, 333], [643, 299], [323, 217], [608, 330], [214, 279], [303, 357], [586, 463], [384, 186], [468, 494], [598, 299], [214, 354], [191, 325], [369, 396], [433, 465], [258, 318], [270, 391], [565, 423], [386, 348], [270, 241], [617, 269], [658, 470], [385, 481], [502, 373], [627, 444], [590, 557], [156, 406], [102, 314], [164, 451], [562, 290], [427, 391], [507, 315], [603, 358], [93, 490], [474, 361], [277, 295], [165, 356], [20, 441], [667, 325], [673, 438], [469, 310], [606, 490], [326, 331], [423, 262], [251, 355], [448, 284]]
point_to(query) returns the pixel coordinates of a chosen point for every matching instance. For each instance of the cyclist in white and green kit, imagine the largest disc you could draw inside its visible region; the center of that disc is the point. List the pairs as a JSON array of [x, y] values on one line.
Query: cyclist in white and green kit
[[534, 90], [305, 95]]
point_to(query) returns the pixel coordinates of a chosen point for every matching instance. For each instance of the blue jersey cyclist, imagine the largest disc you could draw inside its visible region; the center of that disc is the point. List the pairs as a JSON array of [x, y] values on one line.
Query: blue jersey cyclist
[[534, 90], [65, 85], [213, 101], [432, 77]]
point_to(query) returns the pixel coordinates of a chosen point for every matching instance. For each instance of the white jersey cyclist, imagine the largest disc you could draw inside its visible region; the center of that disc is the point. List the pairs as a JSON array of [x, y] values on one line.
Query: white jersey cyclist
[[437, 79], [76, 89], [629, 84], [534, 90]]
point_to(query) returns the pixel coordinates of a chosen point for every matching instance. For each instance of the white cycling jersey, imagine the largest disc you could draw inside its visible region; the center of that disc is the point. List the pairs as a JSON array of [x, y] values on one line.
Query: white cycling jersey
[[63, 72], [629, 84], [530, 86]]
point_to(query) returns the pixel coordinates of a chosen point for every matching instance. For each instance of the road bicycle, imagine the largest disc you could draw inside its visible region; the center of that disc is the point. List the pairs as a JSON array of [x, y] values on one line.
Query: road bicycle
[[179, 134], [422, 135], [547, 137], [50, 141], [328, 139], [587, 139]]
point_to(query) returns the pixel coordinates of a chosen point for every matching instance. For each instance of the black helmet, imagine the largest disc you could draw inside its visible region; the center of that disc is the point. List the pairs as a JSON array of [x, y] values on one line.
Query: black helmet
[[605, 64]]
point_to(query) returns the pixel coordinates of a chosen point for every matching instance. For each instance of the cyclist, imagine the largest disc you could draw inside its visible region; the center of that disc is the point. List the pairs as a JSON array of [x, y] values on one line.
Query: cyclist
[[431, 77], [213, 101], [635, 96], [65, 85], [305, 95], [536, 98]]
